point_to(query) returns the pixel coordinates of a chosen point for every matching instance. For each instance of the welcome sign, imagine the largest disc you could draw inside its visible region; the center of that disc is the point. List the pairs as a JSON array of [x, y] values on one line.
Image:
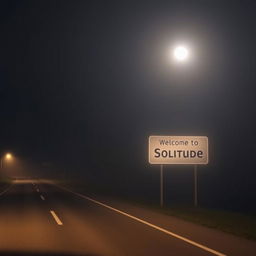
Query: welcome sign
[[178, 150]]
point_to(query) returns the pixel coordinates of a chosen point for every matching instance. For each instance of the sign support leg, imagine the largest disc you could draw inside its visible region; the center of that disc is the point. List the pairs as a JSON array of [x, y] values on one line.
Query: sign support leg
[[161, 186], [195, 186]]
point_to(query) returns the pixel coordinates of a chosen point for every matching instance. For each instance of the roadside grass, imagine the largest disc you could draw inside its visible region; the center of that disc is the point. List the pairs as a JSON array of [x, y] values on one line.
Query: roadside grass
[[239, 224], [4, 182], [231, 222]]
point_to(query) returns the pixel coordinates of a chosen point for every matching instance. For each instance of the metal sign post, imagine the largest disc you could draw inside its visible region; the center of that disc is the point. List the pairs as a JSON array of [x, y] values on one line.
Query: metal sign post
[[195, 185], [192, 150], [161, 186]]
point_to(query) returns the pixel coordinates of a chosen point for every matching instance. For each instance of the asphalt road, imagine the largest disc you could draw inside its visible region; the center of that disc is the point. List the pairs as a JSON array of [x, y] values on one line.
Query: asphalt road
[[43, 219]]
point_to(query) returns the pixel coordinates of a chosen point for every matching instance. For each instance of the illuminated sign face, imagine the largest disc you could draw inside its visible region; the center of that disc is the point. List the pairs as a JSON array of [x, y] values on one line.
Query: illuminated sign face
[[178, 150]]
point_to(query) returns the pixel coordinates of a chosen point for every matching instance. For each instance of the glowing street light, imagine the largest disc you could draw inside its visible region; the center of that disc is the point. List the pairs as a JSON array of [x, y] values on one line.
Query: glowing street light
[[8, 156], [181, 53]]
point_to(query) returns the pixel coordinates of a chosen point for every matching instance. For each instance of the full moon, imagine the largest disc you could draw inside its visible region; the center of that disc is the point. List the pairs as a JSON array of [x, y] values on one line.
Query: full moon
[[180, 53]]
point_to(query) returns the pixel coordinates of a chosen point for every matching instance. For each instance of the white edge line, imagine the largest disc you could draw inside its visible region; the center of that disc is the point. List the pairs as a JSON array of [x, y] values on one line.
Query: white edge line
[[149, 224], [42, 197], [54, 215], [37, 190]]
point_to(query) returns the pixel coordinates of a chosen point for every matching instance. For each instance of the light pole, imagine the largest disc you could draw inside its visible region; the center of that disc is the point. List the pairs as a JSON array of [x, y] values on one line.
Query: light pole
[[7, 156], [181, 54]]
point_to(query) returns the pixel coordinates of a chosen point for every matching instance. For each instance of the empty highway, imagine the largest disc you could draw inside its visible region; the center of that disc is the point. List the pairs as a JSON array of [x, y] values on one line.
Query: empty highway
[[39, 218]]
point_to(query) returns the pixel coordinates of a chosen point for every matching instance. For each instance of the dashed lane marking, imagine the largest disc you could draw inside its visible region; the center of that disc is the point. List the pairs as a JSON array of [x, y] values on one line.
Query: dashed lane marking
[[57, 219]]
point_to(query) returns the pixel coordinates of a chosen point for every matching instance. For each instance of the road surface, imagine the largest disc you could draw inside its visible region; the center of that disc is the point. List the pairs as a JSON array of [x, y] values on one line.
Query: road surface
[[42, 219]]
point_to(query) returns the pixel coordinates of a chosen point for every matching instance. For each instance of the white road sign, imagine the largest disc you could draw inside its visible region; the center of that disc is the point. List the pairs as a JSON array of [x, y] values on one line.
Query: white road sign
[[178, 150]]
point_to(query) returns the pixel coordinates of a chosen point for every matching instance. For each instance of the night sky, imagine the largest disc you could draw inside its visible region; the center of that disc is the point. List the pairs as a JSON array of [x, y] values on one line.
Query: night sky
[[84, 83]]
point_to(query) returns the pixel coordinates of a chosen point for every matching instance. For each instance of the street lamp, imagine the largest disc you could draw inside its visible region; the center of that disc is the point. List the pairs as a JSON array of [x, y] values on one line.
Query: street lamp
[[180, 53], [7, 156]]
